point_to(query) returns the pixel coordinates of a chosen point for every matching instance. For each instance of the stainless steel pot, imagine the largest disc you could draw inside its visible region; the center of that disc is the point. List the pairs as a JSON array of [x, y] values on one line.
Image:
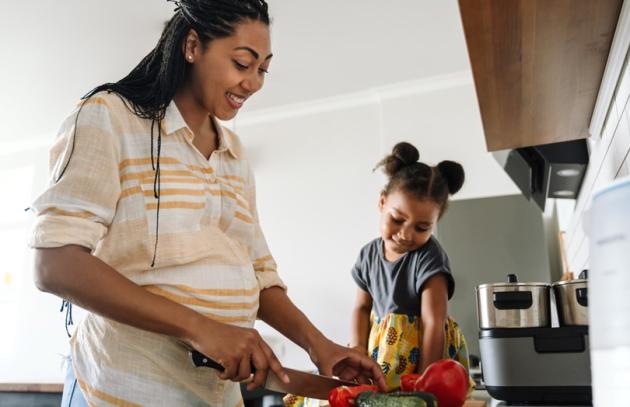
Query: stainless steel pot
[[572, 301], [513, 304]]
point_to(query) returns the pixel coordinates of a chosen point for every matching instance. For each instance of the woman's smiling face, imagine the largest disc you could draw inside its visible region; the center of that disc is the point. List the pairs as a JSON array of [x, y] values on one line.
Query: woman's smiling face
[[229, 70]]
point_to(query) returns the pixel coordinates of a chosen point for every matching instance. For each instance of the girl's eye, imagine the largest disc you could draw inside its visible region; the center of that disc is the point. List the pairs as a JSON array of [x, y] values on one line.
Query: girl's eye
[[398, 221], [240, 66], [421, 230]]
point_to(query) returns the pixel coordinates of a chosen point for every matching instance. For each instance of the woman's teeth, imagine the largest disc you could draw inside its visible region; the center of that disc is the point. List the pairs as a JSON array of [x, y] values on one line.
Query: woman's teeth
[[236, 99]]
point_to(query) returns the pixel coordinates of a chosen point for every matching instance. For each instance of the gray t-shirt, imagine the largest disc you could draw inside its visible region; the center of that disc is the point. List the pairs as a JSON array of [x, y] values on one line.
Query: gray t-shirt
[[395, 287]]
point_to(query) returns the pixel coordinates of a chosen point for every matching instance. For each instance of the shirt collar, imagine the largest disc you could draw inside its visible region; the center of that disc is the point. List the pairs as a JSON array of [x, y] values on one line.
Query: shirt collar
[[174, 121]]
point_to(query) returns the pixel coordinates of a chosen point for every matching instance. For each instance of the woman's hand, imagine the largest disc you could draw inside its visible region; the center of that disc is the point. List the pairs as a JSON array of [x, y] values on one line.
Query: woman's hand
[[346, 363], [237, 350]]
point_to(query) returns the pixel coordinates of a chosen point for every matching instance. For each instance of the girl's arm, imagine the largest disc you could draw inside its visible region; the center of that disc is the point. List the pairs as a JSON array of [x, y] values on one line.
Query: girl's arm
[[361, 321], [73, 273], [433, 309]]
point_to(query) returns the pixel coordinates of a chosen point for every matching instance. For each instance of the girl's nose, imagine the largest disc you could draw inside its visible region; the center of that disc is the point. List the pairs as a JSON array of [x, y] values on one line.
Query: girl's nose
[[403, 235]]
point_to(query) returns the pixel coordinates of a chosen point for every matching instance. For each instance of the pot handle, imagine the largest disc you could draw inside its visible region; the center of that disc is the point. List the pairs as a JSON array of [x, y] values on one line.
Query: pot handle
[[512, 300], [581, 294]]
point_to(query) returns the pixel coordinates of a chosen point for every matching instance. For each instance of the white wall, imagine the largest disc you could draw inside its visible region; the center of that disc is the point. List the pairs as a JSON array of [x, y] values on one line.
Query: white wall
[[317, 194], [32, 337], [609, 141]]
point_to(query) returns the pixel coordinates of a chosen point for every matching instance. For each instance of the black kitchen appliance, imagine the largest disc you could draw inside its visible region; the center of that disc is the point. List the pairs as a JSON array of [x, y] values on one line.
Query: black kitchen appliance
[[553, 170], [525, 363]]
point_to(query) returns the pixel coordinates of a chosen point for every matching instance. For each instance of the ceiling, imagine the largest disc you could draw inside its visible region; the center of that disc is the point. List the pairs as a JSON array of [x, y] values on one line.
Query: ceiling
[[53, 53], [56, 51]]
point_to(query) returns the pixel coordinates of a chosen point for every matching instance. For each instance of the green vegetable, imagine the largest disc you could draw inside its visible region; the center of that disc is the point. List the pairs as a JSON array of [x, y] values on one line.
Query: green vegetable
[[397, 399]]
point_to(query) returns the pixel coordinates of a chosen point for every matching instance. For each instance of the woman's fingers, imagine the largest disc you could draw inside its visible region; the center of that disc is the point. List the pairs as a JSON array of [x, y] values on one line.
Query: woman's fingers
[[229, 370], [363, 379], [271, 366], [274, 364], [359, 367], [242, 351], [261, 366], [244, 369], [377, 376], [368, 367]]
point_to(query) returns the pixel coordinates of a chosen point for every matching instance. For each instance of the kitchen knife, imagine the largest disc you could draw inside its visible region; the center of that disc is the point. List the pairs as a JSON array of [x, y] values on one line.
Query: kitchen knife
[[300, 383]]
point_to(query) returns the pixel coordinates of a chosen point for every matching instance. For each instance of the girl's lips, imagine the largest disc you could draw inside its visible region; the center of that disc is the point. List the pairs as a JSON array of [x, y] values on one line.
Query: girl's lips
[[405, 247], [397, 247]]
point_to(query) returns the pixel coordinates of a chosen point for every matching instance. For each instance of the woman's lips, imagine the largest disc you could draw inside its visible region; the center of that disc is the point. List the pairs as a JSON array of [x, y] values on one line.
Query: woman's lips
[[234, 101]]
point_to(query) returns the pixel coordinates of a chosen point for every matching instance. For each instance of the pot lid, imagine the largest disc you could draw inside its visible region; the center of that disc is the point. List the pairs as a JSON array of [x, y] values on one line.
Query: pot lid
[[512, 281], [570, 282], [494, 285]]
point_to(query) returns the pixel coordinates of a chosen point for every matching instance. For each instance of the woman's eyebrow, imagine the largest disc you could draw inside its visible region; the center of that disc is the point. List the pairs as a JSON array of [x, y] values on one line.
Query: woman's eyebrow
[[251, 51]]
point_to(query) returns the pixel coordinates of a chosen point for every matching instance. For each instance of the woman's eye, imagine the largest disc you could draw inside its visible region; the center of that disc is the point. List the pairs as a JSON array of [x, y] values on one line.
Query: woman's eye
[[240, 66], [263, 71]]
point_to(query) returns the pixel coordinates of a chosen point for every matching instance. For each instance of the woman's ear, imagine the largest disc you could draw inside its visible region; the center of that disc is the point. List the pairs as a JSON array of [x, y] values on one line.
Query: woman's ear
[[192, 46]]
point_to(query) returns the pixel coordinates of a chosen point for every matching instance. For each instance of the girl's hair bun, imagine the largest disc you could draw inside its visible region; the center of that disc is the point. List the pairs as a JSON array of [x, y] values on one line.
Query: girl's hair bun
[[453, 173], [403, 154]]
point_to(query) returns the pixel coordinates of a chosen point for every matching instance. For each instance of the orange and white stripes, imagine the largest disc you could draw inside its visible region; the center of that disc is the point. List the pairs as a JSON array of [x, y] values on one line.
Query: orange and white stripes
[[211, 254]]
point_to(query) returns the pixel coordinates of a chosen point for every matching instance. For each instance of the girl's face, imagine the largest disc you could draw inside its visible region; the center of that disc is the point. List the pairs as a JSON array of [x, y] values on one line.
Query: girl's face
[[406, 222], [230, 69]]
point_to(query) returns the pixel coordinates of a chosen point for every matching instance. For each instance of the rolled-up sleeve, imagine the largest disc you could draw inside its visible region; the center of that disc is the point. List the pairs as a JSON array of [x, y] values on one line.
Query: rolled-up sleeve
[[262, 260], [80, 201]]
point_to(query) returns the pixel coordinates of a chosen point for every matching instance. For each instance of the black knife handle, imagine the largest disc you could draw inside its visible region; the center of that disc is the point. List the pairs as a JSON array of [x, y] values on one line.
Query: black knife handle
[[201, 360]]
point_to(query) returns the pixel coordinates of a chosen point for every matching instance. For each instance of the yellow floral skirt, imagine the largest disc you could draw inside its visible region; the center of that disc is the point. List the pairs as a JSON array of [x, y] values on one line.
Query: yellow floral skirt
[[395, 343]]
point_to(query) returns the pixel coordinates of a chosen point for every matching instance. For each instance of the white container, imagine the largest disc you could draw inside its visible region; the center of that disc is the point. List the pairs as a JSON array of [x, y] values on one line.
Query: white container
[[607, 225]]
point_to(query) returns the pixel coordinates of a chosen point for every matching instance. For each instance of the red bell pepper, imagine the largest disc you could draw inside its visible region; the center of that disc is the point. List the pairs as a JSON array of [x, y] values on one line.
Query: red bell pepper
[[408, 381], [447, 380], [344, 396]]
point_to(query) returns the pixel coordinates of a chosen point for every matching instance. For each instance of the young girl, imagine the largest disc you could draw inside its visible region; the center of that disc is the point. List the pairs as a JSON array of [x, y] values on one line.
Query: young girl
[[404, 276], [150, 223]]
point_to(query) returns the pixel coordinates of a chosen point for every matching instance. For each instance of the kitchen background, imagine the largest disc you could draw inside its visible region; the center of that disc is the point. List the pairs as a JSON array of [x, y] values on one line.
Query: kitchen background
[[349, 79]]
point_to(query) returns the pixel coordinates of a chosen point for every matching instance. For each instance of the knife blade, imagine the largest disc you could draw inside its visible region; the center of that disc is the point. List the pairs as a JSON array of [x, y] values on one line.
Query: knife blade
[[300, 383]]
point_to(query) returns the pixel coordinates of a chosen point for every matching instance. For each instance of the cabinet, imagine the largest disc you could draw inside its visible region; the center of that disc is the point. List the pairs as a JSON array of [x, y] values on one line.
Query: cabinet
[[537, 66]]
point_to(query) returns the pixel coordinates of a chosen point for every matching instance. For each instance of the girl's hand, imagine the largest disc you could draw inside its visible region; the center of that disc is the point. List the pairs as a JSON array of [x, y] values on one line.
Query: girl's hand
[[237, 350], [346, 363]]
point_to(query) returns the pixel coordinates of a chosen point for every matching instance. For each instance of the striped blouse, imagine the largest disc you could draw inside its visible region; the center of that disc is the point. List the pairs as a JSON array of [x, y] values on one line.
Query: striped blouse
[[211, 254]]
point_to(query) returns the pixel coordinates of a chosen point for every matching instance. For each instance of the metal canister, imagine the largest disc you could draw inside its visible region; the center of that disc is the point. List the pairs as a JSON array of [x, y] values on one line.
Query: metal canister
[[513, 304], [572, 301]]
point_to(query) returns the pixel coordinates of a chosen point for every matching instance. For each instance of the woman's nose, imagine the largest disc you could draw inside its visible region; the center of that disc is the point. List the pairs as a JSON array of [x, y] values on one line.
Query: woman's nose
[[253, 83]]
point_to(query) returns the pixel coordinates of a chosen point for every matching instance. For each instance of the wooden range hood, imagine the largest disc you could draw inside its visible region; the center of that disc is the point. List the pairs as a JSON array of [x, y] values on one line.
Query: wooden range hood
[[537, 66]]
